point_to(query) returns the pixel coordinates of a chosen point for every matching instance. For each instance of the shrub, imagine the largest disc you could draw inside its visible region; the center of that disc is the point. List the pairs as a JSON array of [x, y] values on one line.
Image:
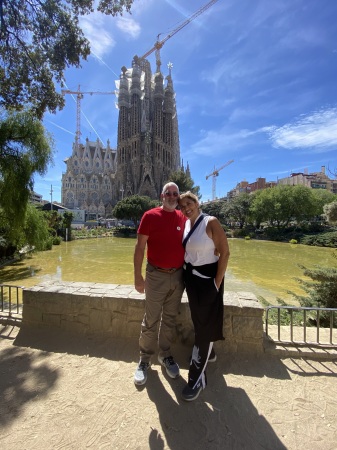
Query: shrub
[[285, 314], [293, 241], [57, 240], [321, 291], [328, 239], [125, 231]]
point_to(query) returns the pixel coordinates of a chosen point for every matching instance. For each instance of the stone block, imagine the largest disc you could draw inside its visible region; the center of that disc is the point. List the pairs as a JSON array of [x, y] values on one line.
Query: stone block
[[136, 311], [99, 320], [31, 315], [248, 327], [51, 319], [133, 328], [74, 327], [250, 347]]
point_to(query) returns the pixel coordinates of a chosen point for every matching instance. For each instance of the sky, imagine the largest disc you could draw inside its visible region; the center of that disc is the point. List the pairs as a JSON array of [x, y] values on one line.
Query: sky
[[255, 82]]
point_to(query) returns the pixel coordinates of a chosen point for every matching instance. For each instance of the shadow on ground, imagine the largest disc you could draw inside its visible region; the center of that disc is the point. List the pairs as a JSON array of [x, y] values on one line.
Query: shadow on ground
[[25, 375], [51, 378]]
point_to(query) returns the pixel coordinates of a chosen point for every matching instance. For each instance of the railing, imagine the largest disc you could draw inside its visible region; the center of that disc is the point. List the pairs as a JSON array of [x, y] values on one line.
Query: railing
[[315, 332], [10, 300]]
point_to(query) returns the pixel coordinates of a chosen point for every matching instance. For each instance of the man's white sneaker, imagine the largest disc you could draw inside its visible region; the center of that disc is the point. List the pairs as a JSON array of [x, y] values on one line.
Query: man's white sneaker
[[141, 373]]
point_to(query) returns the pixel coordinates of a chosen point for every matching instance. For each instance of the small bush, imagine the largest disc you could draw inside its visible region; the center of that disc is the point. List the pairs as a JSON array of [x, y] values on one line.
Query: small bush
[[293, 241], [125, 231], [57, 240], [285, 314]]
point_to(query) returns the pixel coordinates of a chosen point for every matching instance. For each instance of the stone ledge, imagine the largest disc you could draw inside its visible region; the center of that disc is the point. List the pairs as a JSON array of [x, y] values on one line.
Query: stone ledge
[[118, 310]]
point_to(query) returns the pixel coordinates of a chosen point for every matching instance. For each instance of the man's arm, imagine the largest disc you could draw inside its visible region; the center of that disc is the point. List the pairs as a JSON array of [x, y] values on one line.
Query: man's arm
[[138, 259]]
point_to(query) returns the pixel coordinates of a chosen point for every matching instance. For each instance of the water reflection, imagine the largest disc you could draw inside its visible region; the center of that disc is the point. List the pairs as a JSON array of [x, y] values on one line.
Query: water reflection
[[264, 268]]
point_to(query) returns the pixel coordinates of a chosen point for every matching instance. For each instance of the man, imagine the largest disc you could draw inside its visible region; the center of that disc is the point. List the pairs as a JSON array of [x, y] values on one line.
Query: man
[[161, 231]]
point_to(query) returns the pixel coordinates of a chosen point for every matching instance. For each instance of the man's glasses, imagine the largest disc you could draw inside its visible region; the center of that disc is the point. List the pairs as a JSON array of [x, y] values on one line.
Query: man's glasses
[[169, 194]]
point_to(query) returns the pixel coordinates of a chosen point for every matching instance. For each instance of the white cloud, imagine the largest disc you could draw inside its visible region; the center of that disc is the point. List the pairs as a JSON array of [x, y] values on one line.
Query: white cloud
[[95, 28], [220, 142], [129, 26], [318, 130]]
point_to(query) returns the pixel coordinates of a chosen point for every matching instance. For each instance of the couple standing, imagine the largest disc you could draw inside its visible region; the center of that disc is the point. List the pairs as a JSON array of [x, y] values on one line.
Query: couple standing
[[185, 249]]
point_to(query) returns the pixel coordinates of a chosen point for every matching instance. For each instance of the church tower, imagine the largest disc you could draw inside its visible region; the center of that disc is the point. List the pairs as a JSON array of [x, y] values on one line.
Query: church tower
[[148, 147]]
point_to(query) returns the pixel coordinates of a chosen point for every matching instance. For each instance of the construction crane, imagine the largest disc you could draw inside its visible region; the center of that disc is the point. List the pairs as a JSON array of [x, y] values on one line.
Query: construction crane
[[79, 95], [215, 174], [159, 44]]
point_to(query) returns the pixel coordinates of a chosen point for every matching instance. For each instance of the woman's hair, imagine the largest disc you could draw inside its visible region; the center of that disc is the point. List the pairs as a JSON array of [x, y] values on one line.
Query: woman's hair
[[189, 195]]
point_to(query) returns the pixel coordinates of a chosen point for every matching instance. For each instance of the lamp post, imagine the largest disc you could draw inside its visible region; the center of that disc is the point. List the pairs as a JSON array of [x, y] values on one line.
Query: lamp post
[[122, 191]]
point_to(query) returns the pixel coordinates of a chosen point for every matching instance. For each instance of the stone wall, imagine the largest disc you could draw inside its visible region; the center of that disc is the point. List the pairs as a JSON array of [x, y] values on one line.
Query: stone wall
[[118, 310]]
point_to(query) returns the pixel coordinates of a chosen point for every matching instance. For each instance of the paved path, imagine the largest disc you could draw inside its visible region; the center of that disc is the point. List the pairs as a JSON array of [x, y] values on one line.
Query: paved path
[[63, 391]]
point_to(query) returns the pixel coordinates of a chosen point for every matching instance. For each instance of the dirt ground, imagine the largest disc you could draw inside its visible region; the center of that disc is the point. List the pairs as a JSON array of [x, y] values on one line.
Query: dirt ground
[[63, 391]]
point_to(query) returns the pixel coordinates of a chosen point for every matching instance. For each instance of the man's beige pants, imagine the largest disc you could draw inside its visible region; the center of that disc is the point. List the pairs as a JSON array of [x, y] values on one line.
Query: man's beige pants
[[163, 292]]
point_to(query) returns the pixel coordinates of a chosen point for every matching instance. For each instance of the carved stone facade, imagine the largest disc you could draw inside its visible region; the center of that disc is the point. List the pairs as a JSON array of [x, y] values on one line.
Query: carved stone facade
[[147, 152]]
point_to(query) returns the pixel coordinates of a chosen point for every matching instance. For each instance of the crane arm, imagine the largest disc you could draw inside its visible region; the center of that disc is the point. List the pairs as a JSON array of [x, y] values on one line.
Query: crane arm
[[67, 91], [225, 165], [158, 45], [216, 171]]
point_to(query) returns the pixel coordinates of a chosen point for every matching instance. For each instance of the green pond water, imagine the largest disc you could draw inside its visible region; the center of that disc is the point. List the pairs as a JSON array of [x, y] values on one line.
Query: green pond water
[[264, 268]]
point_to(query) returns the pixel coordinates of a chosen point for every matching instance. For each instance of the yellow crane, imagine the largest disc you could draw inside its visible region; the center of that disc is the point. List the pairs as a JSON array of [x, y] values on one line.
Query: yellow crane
[[215, 174], [159, 44], [79, 95]]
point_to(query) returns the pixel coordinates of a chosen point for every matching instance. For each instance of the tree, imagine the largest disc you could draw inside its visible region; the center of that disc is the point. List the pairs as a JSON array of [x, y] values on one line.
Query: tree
[[25, 149], [66, 224], [281, 204], [237, 209], [54, 220], [322, 197], [39, 39], [35, 231], [214, 209], [32, 232], [184, 181], [321, 290], [133, 207]]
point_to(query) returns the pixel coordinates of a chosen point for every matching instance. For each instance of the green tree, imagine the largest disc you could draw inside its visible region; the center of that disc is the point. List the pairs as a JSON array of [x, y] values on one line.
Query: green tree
[[133, 207], [321, 290], [185, 182], [322, 197], [38, 41], [237, 209], [214, 209], [66, 224], [33, 231], [54, 220], [281, 204], [25, 149]]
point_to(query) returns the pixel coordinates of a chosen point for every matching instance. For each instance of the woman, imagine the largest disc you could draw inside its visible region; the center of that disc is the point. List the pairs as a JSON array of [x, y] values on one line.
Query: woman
[[206, 259]]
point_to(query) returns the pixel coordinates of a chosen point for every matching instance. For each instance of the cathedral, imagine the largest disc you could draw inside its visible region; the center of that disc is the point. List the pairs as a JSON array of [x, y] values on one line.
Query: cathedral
[[148, 149]]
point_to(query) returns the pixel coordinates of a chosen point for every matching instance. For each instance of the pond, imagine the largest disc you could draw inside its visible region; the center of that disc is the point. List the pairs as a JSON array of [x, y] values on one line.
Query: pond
[[264, 268]]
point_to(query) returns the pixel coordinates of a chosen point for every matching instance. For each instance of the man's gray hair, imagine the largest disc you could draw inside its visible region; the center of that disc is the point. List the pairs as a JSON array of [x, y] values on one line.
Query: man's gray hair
[[167, 185]]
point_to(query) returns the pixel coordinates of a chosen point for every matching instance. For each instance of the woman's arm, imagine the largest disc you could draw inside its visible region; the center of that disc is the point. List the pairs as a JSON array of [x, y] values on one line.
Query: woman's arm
[[215, 232]]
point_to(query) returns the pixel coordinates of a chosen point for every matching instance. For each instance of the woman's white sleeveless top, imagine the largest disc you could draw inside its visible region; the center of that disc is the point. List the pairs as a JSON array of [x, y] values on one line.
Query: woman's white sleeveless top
[[199, 248]]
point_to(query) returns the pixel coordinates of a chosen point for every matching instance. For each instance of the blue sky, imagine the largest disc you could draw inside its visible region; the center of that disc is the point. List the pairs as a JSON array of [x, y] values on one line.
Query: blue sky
[[255, 82]]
